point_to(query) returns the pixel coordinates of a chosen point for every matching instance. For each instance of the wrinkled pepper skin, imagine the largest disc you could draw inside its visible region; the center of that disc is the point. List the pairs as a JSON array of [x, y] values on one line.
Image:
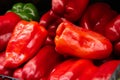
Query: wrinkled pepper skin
[[106, 70], [3, 70], [41, 65], [26, 40], [69, 9], [97, 16], [51, 34], [7, 24], [50, 21], [27, 11], [52, 31], [71, 69], [76, 41], [48, 18]]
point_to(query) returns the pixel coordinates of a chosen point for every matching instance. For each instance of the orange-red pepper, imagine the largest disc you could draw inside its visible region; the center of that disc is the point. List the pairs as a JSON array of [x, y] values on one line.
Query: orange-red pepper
[[73, 40]]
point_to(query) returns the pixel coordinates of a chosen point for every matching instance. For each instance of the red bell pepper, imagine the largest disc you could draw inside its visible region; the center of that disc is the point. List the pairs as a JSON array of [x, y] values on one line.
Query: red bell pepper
[[69, 9], [50, 21], [112, 30], [3, 70], [26, 40], [48, 18], [106, 70], [41, 65], [71, 69], [18, 73], [87, 74], [73, 40], [116, 49], [97, 16], [7, 24], [52, 31]]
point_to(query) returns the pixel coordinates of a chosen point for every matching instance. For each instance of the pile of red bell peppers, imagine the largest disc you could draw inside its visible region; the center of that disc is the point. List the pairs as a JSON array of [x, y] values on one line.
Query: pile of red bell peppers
[[74, 40]]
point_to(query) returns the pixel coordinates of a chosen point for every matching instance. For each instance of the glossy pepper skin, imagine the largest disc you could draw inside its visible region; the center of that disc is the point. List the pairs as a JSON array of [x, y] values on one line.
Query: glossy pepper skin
[[27, 11], [71, 69], [50, 21], [48, 18], [73, 40], [106, 70], [41, 65], [7, 25], [69, 9], [88, 72], [3, 70], [26, 40], [18, 73], [112, 30], [97, 16]]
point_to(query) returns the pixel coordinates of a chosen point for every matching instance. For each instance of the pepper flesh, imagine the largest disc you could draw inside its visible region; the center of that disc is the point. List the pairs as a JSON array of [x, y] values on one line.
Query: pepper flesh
[[26, 40], [73, 40]]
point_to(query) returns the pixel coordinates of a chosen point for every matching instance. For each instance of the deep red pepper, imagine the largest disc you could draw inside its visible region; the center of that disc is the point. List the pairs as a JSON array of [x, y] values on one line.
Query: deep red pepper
[[26, 40], [41, 65], [112, 32], [116, 49], [112, 29], [73, 40], [7, 24], [71, 69], [69, 9], [52, 31], [97, 16], [48, 18], [50, 21], [3, 70], [106, 70]]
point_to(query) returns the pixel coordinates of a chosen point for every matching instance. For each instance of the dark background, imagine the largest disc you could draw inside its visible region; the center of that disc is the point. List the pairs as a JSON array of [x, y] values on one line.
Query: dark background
[[45, 5]]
